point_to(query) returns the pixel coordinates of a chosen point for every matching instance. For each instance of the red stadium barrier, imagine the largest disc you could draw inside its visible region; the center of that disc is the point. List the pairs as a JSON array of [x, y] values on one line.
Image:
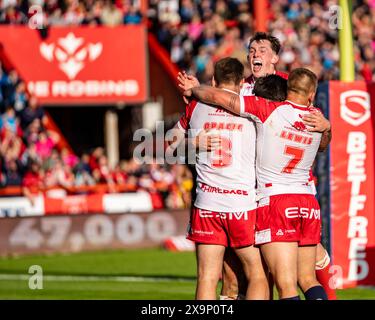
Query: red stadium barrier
[[98, 188], [58, 203]]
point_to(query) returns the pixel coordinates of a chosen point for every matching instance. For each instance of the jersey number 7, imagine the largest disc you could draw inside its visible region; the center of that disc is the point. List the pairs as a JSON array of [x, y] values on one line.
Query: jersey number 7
[[296, 154]]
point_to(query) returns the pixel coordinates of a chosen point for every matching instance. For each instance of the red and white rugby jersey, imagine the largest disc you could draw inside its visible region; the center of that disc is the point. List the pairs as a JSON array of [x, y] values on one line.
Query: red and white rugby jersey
[[226, 176], [285, 149]]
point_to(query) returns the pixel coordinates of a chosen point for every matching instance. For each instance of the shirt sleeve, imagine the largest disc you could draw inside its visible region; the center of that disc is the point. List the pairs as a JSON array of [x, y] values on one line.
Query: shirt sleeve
[[184, 122], [257, 108]]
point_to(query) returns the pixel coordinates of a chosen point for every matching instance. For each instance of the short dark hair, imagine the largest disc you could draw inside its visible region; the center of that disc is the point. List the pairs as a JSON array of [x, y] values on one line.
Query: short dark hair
[[259, 36], [271, 87], [302, 81], [228, 70]]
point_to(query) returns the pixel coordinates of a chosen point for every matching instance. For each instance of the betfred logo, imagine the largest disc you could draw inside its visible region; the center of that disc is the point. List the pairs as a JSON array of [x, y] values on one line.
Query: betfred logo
[[355, 107], [358, 222], [71, 53]]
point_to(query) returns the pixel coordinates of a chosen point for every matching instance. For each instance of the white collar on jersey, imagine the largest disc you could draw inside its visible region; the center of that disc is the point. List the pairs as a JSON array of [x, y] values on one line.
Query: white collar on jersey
[[253, 79], [229, 90], [296, 104]]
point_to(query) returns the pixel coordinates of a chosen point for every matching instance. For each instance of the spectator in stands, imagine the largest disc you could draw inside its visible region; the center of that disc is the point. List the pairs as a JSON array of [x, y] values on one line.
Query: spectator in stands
[[13, 16], [145, 182], [94, 158], [132, 183], [111, 15], [103, 173], [183, 180], [20, 97], [119, 176], [31, 133], [9, 121], [45, 144], [30, 155], [59, 175], [84, 163], [13, 173], [11, 145], [33, 182], [75, 13], [31, 112], [69, 158], [133, 16], [9, 83], [82, 172], [163, 179]]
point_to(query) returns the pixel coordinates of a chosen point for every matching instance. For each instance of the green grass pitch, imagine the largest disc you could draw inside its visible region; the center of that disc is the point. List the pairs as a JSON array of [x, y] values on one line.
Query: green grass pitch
[[128, 274]]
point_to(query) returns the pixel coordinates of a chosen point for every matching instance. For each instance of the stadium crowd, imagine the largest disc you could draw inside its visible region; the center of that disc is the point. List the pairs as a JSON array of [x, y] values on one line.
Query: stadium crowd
[[198, 33], [71, 12], [30, 157]]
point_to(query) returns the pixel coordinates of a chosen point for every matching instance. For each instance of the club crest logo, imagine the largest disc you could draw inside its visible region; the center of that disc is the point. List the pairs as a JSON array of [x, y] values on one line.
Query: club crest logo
[[355, 107], [71, 53]]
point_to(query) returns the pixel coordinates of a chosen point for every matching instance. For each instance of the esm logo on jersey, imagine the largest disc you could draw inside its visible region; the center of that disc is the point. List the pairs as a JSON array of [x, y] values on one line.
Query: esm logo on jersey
[[355, 106], [307, 213]]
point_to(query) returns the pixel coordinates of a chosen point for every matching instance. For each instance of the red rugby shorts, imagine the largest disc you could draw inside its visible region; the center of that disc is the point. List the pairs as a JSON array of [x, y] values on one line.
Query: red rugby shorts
[[233, 229], [288, 218]]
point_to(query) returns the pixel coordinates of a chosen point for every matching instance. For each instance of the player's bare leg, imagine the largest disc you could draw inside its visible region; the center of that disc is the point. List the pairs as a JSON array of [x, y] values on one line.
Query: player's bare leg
[[322, 267], [306, 274], [209, 264], [281, 259], [320, 252], [233, 278], [255, 272]]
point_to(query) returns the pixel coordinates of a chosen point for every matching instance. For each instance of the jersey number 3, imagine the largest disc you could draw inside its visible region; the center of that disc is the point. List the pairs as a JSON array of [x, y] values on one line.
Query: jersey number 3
[[296, 154], [223, 155]]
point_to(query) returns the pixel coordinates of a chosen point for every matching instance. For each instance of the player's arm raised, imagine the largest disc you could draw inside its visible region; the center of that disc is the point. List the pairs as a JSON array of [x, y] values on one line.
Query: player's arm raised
[[211, 95]]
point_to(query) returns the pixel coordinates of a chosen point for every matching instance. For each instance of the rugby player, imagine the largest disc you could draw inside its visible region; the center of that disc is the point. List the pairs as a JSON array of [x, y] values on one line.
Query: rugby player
[[288, 216], [263, 57], [224, 208]]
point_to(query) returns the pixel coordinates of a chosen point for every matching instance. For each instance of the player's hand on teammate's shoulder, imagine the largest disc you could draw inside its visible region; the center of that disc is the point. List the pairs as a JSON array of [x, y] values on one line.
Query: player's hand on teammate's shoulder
[[316, 122]]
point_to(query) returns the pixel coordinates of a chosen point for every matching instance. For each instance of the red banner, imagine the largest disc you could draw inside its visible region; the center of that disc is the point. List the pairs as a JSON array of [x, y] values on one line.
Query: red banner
[[80, 65], [79, 204], [352, 183]]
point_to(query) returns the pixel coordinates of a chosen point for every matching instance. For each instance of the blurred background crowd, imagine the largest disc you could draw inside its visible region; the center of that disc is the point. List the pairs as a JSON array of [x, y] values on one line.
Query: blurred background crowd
[[196, 34], [30, 157]]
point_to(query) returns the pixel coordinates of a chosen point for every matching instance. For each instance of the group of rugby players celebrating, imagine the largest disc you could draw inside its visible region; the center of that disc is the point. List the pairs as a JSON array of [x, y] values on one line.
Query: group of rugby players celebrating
[[255, 219]]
